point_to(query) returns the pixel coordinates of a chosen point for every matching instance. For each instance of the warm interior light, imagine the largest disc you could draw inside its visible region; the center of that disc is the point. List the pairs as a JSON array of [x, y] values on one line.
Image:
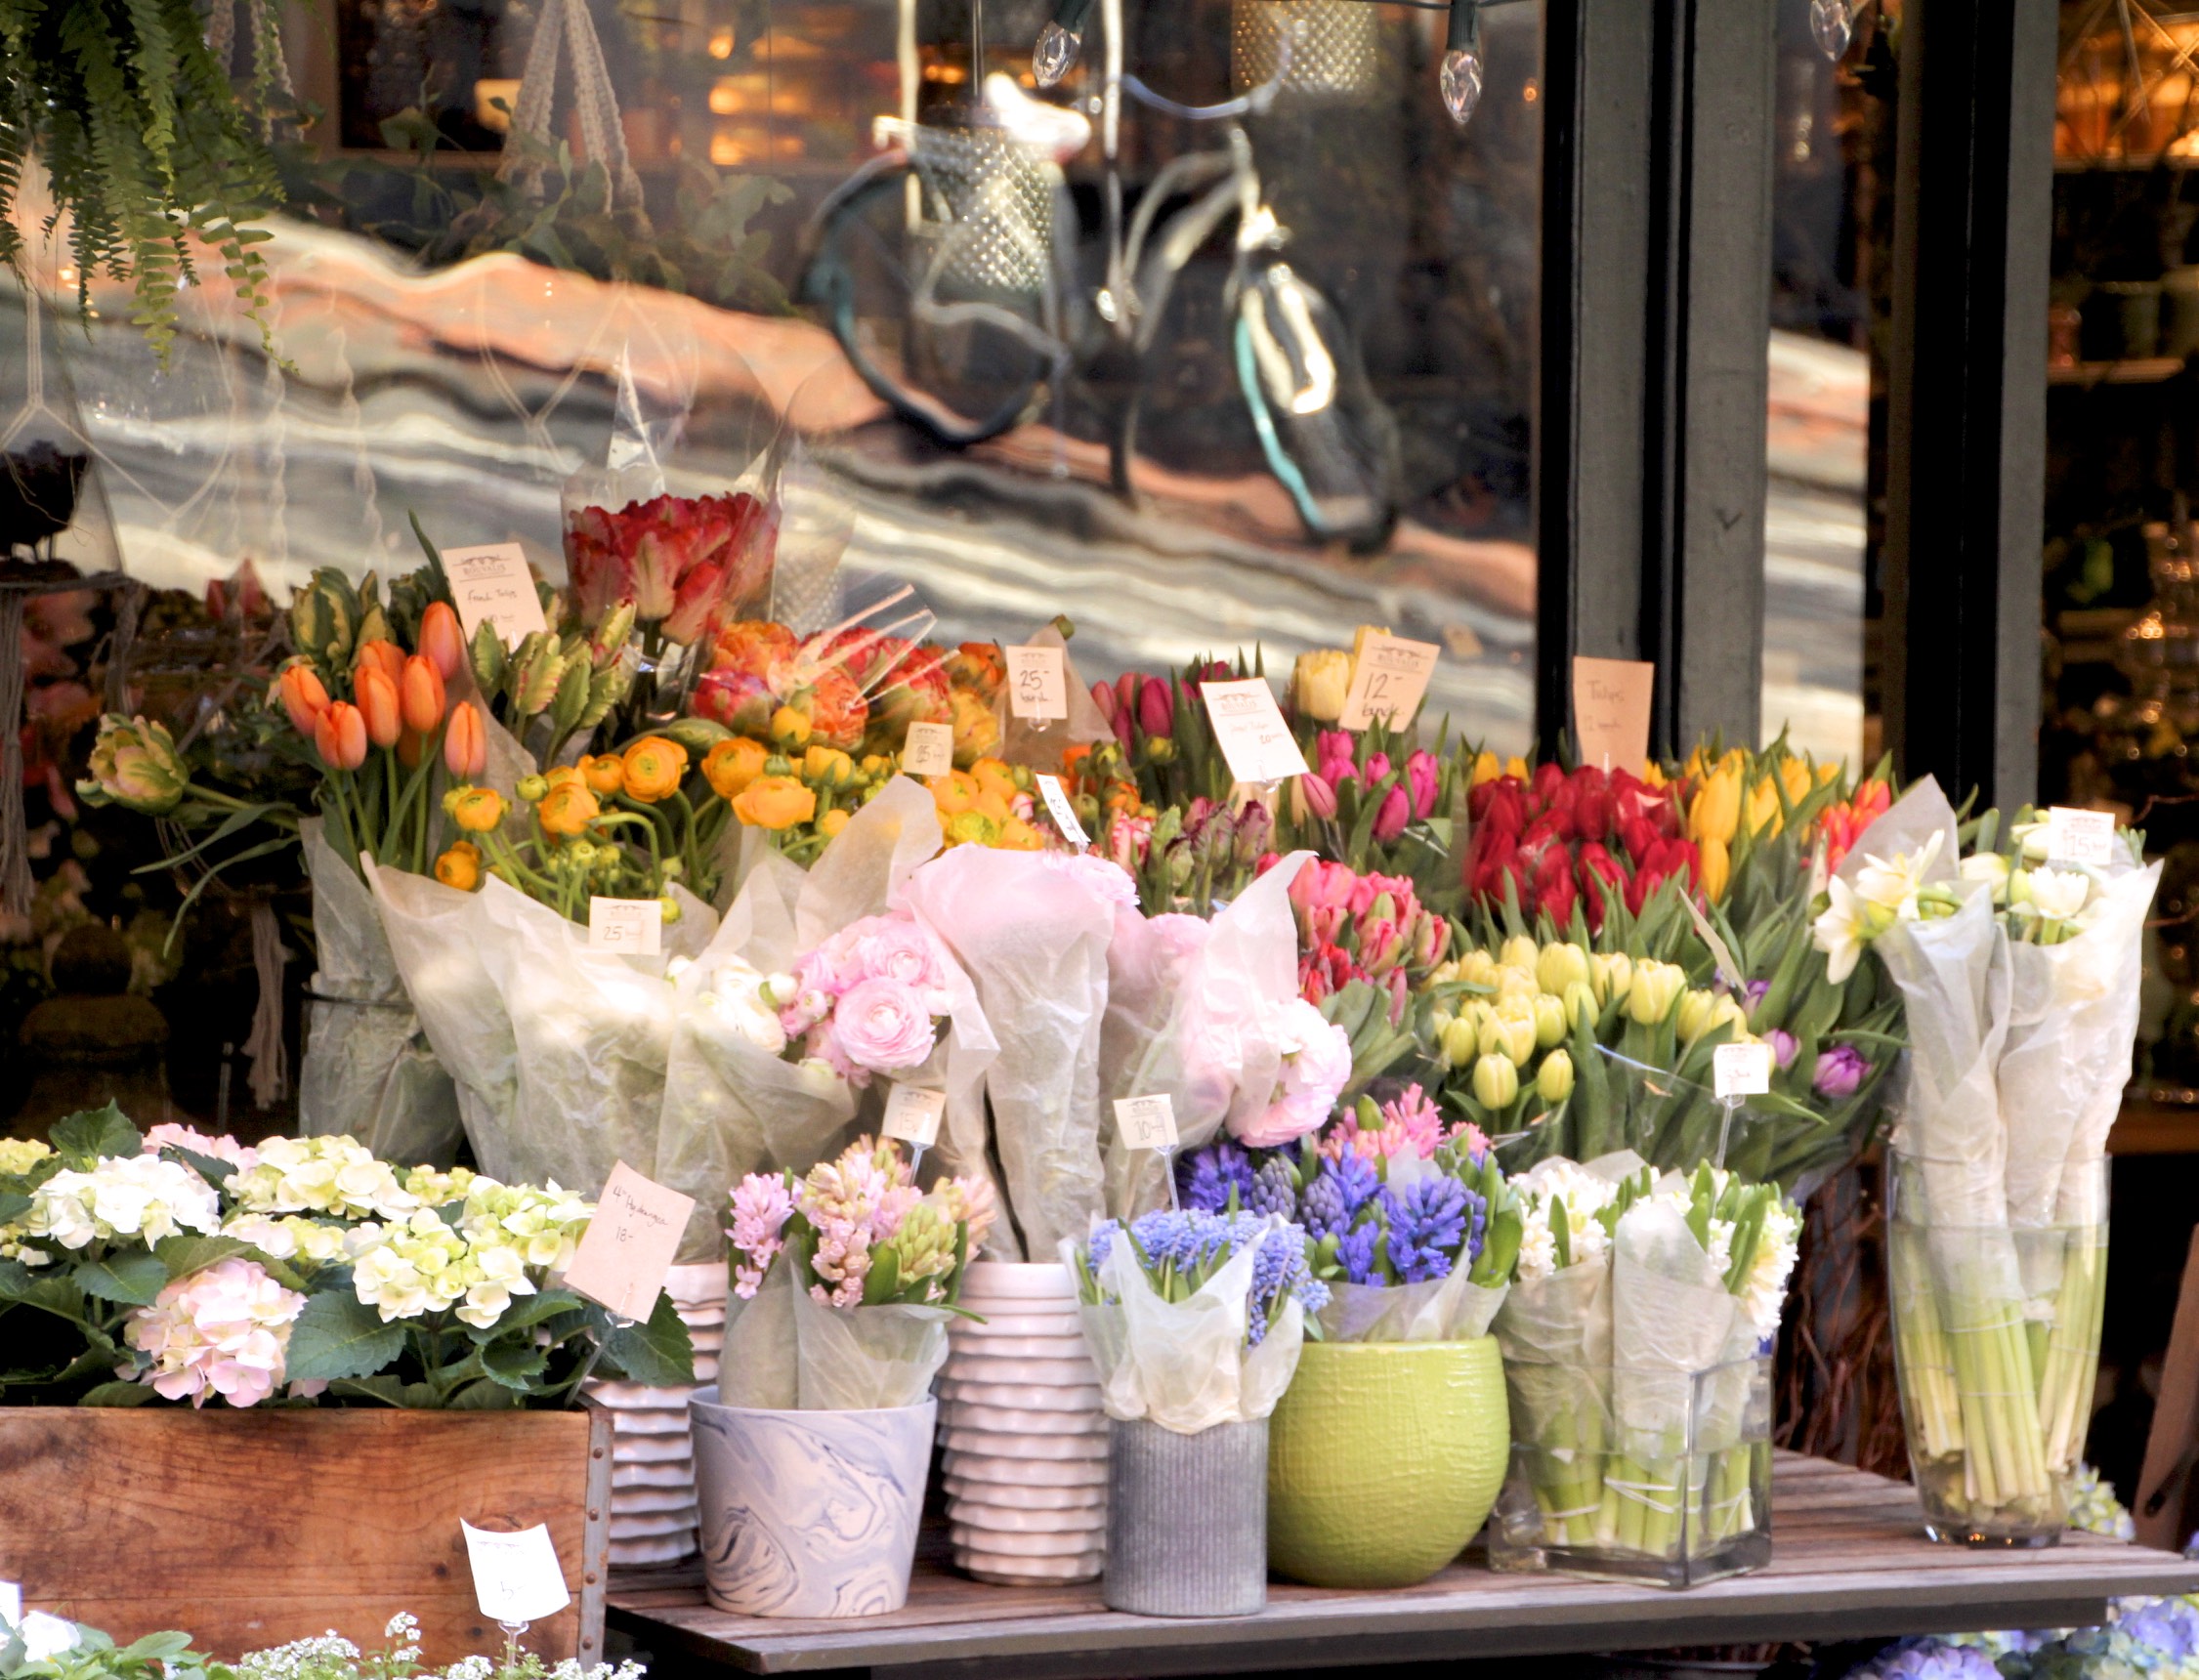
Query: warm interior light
[[721, 44], [490, 87]]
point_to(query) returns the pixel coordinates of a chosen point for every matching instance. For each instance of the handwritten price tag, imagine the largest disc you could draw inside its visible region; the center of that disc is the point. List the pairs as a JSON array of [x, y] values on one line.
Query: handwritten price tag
[[631, 927], [515, 1575], [492, 584], [1250, 729], [630, 1243], [1388, 677], [1741, 1069], [1063, 813], [1038, 690], [928, 750], [2075, 837], [913, 1114], [1146, 1123], [1611, 711]]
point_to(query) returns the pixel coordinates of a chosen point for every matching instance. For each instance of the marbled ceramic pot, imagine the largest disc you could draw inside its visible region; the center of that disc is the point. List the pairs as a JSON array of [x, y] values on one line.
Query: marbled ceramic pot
[[808, 1514]]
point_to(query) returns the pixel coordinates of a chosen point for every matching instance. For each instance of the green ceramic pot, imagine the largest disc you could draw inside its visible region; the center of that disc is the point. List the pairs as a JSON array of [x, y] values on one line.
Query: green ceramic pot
[[1384, 1459]]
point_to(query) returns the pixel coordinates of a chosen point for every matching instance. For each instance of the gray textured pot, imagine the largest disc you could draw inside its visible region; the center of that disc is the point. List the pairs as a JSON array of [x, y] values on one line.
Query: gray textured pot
[[1187, 1520], [809, 1513]]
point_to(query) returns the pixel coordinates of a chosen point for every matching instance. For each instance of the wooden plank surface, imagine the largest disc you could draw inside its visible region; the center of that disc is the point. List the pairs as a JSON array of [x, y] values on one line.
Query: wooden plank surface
[[1849, 1559], [250, 1528]]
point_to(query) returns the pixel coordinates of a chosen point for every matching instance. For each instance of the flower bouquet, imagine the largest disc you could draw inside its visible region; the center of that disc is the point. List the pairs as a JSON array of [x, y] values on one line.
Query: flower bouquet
[[811, 1453], [2020, 976], [1636, 1343], [1196, 1321]]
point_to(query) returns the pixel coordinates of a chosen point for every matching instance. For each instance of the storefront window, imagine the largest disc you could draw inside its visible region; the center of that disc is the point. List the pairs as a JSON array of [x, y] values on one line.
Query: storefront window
[[1197, 380]]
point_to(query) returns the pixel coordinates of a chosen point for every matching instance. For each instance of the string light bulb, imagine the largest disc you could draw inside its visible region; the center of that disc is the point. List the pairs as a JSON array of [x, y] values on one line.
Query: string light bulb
[[1461, 75], [1054, 55], [1833, 23]]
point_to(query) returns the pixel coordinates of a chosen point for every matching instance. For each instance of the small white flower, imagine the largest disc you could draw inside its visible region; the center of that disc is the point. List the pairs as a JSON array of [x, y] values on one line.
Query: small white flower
[[1892, 884], [1841, 930], [1990, 867], [2059, 895]]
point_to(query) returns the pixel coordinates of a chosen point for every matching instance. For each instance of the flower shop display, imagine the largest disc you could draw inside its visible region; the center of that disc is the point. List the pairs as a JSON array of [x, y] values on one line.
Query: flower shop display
[[812, 1449], [1409, 1225], [1636, 1340], [2019, 976], [1021, 1393], [1196, 1321]]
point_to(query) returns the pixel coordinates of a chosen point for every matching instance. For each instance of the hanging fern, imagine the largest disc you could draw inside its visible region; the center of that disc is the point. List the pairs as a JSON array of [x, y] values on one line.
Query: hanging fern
[[146, 143]]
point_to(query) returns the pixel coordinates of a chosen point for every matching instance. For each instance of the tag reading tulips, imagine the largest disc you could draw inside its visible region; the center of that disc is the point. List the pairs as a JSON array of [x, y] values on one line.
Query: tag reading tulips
[[913, 1114], [1063, 812], [1146, 1123], [1388, 677], [629, 1245], [517, 1578], [1250, 729], [1741, 1071], [929, 749], [2078, 837], [1611, 711], [631, 927], [493, 585], [1037, 689]]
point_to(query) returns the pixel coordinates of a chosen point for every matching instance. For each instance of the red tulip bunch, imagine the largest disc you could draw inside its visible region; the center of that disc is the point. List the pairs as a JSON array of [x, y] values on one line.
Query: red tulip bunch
[[687, 562], [1555, 842]]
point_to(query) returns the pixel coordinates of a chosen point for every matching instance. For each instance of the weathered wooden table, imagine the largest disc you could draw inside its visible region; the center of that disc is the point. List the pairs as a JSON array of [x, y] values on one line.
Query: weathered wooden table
[[1848, 1562]]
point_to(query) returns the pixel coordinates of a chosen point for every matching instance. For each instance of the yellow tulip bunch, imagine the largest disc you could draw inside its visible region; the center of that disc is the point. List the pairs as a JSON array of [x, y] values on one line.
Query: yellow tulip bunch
[[1738, 798]]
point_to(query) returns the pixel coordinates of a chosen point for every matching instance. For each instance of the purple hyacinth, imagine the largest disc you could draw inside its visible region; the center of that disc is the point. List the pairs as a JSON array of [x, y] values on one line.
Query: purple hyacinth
[[1430, 1220], [1355, 1253], [1338, 1192], [1841, 1071], [1205, 1177], [1279, 1271], [1275, 1188]]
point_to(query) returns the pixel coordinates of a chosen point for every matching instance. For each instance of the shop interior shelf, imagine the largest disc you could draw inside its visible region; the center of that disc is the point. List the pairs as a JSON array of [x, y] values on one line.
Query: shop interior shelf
[[1850, 1560]]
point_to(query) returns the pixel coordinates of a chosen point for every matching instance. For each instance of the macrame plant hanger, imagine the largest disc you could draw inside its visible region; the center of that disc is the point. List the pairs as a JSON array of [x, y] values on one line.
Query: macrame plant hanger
[[564, 29]]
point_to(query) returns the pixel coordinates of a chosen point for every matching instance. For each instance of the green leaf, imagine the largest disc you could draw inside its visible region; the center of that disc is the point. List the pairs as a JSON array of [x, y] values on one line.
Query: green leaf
[[132, 1278], [485, 1396], [658, 1354], [338, 1335], [13, 1207], [527, 1311], [92, 1133], [120, 1394], [184, 1255], [214, 1170], [516, 1363]]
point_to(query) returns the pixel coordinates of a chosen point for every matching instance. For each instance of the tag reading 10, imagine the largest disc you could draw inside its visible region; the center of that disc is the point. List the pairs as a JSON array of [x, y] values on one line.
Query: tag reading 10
[[1146, 1123]]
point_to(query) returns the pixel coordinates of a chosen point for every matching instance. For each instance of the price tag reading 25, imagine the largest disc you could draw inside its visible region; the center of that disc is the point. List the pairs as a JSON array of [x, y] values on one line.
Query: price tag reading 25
[[1038, 690]]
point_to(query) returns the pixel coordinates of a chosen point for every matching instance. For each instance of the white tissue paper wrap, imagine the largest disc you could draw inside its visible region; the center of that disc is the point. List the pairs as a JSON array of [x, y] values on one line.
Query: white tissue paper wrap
[[1452, 1308], [787, 1352], [1184, 1364], [366, 1072], [1672, 1317]]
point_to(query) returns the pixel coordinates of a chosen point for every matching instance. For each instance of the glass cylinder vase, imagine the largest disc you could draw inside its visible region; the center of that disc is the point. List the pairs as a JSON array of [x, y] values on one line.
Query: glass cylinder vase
[[1996, 1346]]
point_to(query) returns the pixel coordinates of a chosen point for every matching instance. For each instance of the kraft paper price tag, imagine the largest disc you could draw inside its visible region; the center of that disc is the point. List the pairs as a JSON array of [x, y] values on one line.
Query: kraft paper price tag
[[492, 584], [1741, 1069], [929, 749], [2075, 837], [631, 927], [1250, 729], [1388, 677], [913, 1114], [1146, 1123], [1037, 689], [515, 1575], [1611, 711], [630, 1243], [1063, 812]]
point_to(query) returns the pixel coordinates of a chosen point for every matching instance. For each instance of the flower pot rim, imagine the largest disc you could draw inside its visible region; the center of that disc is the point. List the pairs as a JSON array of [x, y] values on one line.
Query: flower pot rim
[[695, 1399], [1400, 1347]]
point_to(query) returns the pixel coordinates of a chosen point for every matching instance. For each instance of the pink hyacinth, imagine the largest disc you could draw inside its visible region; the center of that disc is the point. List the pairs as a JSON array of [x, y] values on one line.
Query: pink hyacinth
[[220, 1331], [761, 1206]]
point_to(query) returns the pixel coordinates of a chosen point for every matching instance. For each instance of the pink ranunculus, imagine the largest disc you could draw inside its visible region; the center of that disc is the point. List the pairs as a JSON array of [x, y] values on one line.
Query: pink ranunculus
[[897, 948], [882, 1027]]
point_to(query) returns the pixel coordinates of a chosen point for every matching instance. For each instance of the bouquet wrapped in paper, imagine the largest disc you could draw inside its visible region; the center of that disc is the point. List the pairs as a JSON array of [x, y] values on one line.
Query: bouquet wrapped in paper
[[844, 1280]]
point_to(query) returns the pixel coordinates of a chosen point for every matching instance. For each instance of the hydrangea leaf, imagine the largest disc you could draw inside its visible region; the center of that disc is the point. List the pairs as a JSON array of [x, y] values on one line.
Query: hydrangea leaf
[[132, 1280], [91, 1133], [658, 1354], [338, 1335]]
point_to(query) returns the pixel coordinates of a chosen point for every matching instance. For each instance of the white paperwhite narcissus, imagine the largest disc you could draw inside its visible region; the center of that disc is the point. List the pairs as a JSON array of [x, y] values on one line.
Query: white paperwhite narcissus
[[1763, 1291], [1990, 867], [122, 1195], [2056, 895], [1584, 1195]]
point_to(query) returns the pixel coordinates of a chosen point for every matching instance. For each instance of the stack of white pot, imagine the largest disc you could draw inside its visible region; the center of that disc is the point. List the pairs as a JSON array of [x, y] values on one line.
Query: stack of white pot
[[652, 1511], [1026, 1442]]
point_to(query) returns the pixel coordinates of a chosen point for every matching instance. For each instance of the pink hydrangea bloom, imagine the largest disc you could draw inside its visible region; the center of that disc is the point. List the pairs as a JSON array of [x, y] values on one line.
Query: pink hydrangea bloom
[[220, 1331], [169, 1135]]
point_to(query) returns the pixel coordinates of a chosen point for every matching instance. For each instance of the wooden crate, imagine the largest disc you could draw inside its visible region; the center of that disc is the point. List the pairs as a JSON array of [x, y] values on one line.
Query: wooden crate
[[248, 1528]]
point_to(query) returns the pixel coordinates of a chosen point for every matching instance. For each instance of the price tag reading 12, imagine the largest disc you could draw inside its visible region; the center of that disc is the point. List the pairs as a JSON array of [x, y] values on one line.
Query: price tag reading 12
[[1388, 677], [1037, 692], [1248, 728], [1146, 1123], [493, 585], [631, 927]]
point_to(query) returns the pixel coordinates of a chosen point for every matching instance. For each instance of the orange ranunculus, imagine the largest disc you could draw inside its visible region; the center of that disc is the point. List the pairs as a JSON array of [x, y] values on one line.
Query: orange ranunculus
[[831, 822], [465, 744], [461, 866], [1075, 761], [992, 807], [995, 776], [731, 765], [566, 807], [653, 768], [954, 792], [604, 773], [476, 809], [385, 657], [420, 692], [1017, 835], [339, 736], [775, 802], [443, 642], [970, 827], [828, 765], [789, 728], [378, 703], [304, 697]]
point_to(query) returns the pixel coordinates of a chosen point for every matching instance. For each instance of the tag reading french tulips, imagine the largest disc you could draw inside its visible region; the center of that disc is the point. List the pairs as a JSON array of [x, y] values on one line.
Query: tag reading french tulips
[[517, 1578], [2078, 837], [1063, 813], [913, 1114], [1038, 690], [1146, 1123], [928, 750], [631, 927], [492, 584], [1388, 677], [629, 1245], [1250, 729], [1741, 1071]]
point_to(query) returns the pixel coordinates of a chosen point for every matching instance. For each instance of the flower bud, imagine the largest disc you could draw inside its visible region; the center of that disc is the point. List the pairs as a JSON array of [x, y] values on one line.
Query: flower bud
[[421, 694], [304, 697], [1561, 966], [443, 644], [1580, 1005], [1549, 1021], [375, 693], [1519, 952], [1318, 682], [1553, 1080], [1695, 1014], [1656, 987], [1611, 976], [339, 736], [1496, 1082], [1459, 1041]]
